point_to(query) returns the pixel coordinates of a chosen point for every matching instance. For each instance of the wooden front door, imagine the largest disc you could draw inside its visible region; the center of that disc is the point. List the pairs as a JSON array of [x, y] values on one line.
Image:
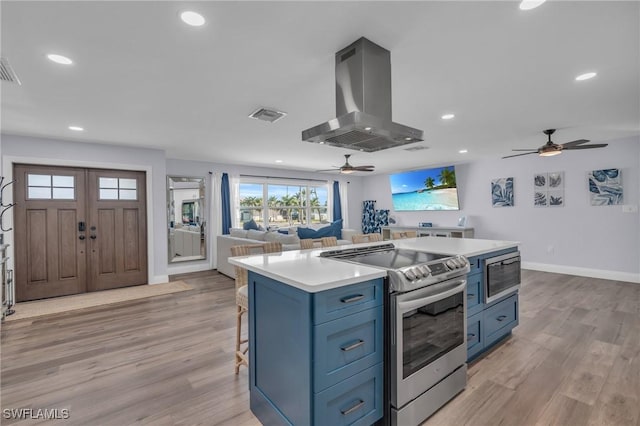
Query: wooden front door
[[117, 229], [78, 230]]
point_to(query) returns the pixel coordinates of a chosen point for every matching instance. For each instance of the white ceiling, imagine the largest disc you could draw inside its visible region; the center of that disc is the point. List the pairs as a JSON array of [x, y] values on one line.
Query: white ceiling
[[142, 77]]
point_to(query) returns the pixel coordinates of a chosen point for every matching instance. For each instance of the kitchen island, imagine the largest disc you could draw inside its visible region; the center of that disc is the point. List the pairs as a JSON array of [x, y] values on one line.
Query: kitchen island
[[316, 330]]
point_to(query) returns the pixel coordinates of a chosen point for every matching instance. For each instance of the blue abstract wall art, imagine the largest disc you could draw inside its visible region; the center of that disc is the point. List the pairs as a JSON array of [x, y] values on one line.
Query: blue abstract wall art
[[605, 187], [502, 192], [548, 189]]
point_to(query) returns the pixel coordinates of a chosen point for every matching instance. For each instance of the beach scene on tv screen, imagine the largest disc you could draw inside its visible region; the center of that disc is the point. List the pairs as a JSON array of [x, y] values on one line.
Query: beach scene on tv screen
[[428, 189]]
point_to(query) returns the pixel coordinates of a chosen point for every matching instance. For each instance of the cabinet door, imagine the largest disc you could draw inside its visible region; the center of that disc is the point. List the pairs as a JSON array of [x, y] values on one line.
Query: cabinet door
[[475, 293], [475, 336]]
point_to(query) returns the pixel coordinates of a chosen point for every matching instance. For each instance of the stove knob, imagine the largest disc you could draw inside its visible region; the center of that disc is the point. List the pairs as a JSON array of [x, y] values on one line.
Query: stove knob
[[451, 264], [417, 272], [409, 275], [425, 270]]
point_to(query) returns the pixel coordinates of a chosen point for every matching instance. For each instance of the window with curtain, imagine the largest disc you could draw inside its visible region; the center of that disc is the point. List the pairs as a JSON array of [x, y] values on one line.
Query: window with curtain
[[282, 202]]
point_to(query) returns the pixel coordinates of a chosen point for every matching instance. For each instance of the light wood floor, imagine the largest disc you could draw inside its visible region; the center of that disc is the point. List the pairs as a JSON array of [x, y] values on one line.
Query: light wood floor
[[573, 360]]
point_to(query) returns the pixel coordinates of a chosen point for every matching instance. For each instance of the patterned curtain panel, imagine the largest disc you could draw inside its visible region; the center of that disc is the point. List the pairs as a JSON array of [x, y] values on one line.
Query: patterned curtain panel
[[381, 219], [368, 216]]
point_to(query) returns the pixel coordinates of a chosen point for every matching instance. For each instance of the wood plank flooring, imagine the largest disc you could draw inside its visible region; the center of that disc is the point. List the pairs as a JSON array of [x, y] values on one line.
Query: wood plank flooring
[[168, 360]]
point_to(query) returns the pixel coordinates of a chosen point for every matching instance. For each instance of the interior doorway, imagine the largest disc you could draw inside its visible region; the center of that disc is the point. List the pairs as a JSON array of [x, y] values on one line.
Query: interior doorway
[[78, 230]]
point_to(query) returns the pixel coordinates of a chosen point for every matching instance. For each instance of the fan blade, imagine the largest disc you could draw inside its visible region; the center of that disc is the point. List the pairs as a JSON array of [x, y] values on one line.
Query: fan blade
[[327, 170], [525, 149], [595, 145], [517, 155], [362, 169], [574, 143]]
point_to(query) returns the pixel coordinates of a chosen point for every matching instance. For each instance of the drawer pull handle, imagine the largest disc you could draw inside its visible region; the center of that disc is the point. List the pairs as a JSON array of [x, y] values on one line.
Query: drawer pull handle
[[501, 317], [352, 346], [470, 295], [358, 406], [352, 299], [471, 335]]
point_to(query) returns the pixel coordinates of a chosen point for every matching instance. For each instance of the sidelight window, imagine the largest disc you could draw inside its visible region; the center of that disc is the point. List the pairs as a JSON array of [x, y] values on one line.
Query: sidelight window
[[117, 188], [50, 187]]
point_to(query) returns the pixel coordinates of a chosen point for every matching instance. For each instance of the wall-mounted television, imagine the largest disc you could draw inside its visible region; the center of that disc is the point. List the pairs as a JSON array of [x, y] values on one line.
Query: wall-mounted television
[[427, 189]]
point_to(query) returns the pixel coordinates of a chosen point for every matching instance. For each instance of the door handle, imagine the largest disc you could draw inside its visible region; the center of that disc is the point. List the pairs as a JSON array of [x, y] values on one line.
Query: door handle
[[81, 237], [93, 237]]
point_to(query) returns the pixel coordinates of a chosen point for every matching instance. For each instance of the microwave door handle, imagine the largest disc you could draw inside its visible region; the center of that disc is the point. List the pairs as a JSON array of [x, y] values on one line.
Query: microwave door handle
[[418, 303], [510, 261]]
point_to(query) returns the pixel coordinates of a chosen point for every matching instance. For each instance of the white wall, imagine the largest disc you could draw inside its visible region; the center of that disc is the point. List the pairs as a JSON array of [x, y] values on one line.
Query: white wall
[[576, 239], [17, 149]]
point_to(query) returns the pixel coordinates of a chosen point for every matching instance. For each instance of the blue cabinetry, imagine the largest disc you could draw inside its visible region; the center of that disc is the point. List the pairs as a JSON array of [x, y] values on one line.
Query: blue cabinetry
[[315, 358], [487, 323]]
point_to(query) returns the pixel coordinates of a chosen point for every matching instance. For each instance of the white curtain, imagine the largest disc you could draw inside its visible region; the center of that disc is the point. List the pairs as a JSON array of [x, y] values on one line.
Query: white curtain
[[215, 218], [234, 192], [344, 203]]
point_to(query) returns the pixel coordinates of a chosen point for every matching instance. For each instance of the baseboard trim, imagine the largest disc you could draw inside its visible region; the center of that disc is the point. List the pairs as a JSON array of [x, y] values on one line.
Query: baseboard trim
[[175, 270], [583, 272], [159, 279]]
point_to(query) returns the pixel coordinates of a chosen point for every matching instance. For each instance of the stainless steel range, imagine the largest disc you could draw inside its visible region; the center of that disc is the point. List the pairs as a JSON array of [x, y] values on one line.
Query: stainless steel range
[[426, 325]]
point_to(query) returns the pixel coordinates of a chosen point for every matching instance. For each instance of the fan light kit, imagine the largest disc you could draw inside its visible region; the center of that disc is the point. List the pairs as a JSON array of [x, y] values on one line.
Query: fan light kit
[[447, 116], [76, 128], [550, 149], [347, 168]]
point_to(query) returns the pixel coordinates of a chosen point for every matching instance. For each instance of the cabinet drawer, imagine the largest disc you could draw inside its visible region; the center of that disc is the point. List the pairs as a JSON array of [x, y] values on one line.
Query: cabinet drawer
[[475, 296], [346, 346], [338, 302], [500, 318], [356, 400], [475, 340]]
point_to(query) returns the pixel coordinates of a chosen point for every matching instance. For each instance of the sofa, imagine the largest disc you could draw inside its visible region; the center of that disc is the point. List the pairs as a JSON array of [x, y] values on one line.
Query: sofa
[[238, 236]]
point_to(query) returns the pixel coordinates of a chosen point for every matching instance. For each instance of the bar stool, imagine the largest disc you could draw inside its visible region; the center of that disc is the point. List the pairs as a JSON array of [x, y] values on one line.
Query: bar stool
[[366, 238], [308, 243], [242, 294]]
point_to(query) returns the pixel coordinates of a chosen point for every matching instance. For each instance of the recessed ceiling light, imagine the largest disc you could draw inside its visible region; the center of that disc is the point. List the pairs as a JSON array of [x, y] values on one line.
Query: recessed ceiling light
[[278, 161], [530, 4], [408, 138], [586, 76], [192, 18], [59, 59], [76, 128], [367, 128], [447, 116], [321, 142], [463, 151]]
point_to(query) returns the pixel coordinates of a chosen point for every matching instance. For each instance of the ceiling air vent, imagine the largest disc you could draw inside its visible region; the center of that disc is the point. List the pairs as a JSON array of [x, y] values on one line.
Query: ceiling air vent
[[267, 114], [7, 73], [416, 148]]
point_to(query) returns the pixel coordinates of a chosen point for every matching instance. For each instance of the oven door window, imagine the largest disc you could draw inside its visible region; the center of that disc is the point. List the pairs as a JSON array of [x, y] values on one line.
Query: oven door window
[[431, 331]]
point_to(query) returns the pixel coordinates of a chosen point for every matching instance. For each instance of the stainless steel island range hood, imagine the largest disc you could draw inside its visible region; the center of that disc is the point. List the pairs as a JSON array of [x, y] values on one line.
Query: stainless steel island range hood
[[363, 103]]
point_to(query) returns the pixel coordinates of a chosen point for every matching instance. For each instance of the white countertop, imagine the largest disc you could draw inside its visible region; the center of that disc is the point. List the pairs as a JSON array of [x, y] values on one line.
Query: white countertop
[[306, 270]]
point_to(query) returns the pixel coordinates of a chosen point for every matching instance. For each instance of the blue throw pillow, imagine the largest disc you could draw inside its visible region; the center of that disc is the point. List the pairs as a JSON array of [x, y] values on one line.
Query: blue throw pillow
[[333, 230], [250, 225]]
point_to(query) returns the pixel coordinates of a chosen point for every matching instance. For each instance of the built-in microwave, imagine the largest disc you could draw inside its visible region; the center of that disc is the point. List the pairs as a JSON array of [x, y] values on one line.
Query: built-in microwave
[[501, 276]]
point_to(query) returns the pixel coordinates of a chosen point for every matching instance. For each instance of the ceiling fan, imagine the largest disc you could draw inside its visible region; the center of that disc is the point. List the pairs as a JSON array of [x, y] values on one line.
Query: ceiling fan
[[347, 168], [550, 148]]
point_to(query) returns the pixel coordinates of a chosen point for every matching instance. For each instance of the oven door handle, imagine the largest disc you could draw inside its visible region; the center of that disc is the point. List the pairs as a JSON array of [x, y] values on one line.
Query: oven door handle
[[409, 305]]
